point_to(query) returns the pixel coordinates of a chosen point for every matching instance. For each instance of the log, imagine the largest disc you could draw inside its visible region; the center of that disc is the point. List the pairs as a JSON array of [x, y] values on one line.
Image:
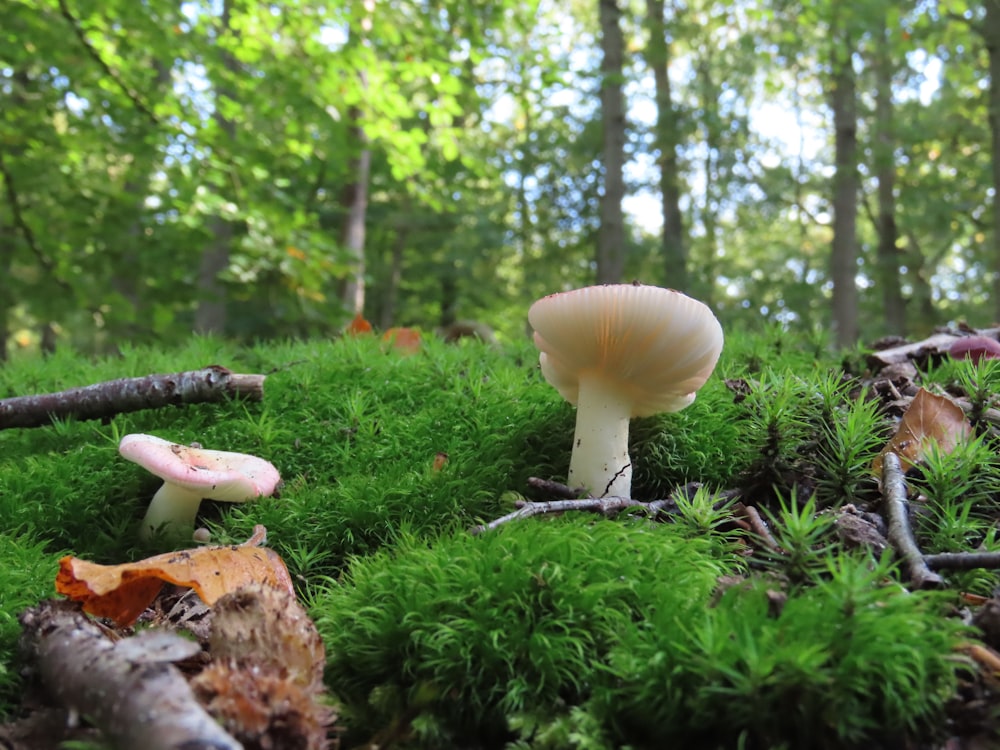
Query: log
[[136, 698]]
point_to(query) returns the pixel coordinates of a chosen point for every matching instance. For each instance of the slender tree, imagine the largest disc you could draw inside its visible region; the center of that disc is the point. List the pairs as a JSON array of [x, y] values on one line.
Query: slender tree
[[990, 31], [611, 236], [844, 250], [667, 143], [893, 307], [210, 315]]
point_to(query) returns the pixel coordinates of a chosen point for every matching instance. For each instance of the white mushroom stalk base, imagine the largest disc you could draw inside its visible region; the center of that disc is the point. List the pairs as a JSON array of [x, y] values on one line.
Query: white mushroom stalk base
[[172, 511], [600, 461]]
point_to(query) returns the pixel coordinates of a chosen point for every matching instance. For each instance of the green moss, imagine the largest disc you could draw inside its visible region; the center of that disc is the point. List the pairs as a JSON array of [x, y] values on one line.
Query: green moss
[[473, 630], [847, 662], [548, 628], [29, 571], [550, 633]]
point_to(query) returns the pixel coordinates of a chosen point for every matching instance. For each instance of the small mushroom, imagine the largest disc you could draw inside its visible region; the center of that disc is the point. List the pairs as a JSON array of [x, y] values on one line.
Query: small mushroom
[[620, 351], [975, 348], [192, 474]]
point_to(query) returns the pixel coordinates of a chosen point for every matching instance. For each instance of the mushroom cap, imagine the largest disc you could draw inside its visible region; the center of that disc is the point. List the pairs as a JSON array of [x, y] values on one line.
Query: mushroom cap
[[217, 475], [975, 348], [656, 345]]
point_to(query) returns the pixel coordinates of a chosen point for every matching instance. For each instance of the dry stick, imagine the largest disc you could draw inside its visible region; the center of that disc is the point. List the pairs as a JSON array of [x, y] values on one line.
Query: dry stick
[[963, 560], [897, 516], [103, 400], [759, 527], [604, 505], [134, 702]]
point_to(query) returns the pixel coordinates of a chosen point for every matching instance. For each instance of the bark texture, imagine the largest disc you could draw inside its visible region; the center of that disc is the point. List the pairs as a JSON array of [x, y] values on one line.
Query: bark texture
[[135, 700]]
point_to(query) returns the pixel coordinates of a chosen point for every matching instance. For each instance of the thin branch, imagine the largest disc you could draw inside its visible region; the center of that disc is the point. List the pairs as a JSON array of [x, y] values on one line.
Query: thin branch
[[81, 36], [900, 534], [963, 560], [606, 506], [558, 489], [134, 700], [104, 400], [758, 526], [14, 203]]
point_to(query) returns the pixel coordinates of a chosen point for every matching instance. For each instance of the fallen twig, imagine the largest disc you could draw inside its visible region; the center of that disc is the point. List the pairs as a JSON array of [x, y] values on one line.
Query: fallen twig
[[893, 485], [758, 526], [552, 487], [606, 506], [526, 509], [963, 560], [103, 400], [134, 699]]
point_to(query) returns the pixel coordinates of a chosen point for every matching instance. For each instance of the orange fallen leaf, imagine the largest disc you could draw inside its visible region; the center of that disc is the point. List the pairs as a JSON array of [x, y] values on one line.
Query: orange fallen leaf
[[929, 420], [404, 340], [123, 592], [358, 326]]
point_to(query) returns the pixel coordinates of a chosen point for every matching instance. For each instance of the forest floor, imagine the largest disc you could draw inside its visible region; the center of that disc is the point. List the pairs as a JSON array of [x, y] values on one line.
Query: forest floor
[[809, 558]]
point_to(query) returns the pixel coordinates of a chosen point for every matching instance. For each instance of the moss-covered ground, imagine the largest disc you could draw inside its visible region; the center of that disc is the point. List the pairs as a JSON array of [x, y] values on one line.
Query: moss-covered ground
[[576, 631]]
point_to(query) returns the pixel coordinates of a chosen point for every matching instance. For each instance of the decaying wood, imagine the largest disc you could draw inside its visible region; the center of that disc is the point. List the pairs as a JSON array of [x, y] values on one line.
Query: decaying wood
[[136, 697], [900, 535], [104, 400]]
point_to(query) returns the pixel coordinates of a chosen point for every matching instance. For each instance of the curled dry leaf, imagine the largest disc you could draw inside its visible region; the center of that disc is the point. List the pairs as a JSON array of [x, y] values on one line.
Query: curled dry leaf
[[123, 592], [929, 420]]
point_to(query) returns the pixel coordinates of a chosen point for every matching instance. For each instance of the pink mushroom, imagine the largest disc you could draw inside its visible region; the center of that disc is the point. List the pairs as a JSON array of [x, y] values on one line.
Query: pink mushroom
[[192, 474], [975, 348]]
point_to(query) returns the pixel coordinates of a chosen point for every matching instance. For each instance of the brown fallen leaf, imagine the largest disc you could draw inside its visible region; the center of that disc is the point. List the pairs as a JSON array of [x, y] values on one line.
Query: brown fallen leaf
[[123, 592], [358, 326], [403, 340], [929, 420]]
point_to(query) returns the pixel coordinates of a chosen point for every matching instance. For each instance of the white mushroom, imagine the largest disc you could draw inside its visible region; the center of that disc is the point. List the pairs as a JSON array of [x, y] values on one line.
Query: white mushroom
[[192, 474], [620, 351]]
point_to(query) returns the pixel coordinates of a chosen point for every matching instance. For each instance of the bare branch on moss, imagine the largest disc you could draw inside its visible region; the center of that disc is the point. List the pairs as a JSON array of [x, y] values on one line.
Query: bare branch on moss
[[606, 506], [758, 526], [134, 701], [897, 516], [104, 400], [963, 560], [557, 489]]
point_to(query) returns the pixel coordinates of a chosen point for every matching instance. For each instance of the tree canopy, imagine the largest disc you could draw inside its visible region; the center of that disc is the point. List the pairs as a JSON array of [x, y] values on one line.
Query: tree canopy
[[269, 169]]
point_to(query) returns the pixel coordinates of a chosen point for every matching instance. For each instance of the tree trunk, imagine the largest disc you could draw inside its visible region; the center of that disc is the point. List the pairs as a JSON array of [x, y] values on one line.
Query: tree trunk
[[667, 138], [991, 36], [843, 256], [893, 307], [390, 299], [354, 200], [210, 315], [611, 237], [128, 278]]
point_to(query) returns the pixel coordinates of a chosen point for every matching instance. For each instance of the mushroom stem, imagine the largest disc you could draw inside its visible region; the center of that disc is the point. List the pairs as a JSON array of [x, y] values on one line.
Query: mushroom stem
[[600, 461], [172, 509]]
